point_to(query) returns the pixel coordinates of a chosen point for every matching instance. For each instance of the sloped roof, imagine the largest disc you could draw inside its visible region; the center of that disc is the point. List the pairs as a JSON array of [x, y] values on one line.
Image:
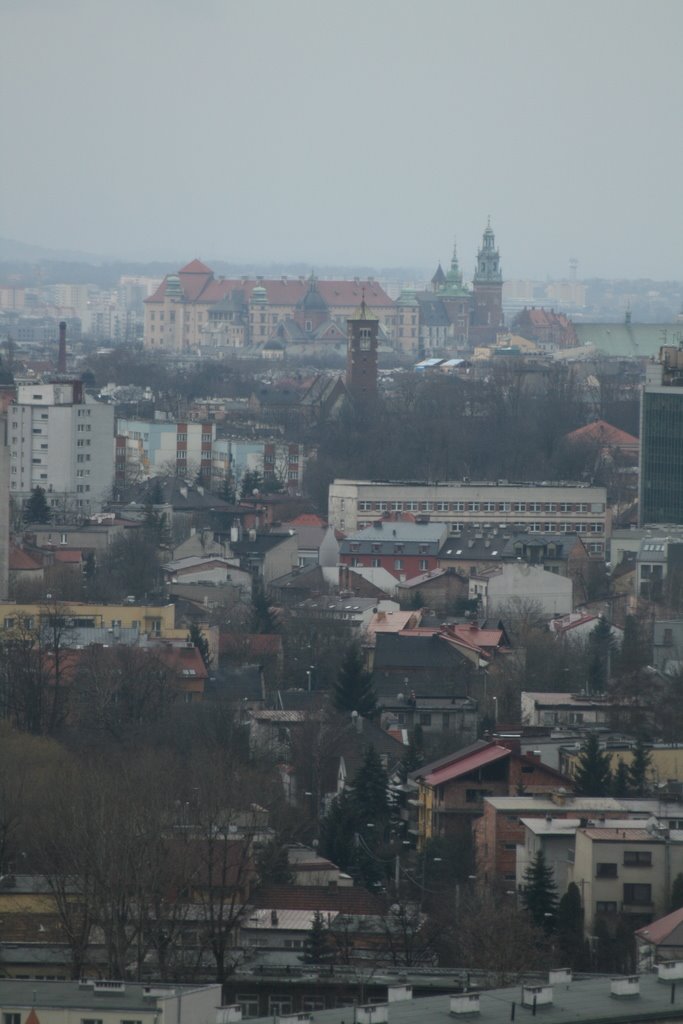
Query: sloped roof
[[343, 900], [602, 433], [195, 267], [465, 765], [665, 930], [21, 561]]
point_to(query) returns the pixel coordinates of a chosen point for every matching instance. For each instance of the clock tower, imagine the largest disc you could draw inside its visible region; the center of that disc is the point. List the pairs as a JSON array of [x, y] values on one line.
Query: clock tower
[[487, 293], [361, 364]]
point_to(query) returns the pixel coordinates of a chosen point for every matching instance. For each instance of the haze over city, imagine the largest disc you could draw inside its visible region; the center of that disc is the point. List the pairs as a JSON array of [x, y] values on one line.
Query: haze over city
[[347, 134]]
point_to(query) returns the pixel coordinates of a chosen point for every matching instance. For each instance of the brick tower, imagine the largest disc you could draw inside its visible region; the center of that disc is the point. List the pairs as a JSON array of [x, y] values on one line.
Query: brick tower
[[487, 293], [361, 365]]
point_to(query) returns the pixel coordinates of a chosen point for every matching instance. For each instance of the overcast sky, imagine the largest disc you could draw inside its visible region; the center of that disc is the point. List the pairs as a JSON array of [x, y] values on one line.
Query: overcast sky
[[347, 131]]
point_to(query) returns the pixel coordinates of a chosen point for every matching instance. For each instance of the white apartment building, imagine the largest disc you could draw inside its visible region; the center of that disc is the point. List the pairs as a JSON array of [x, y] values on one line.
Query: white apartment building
[[147, 448], [62, 440], [536, 507]]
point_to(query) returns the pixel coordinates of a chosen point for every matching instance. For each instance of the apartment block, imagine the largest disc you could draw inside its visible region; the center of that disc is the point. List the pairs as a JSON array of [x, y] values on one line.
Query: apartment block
[[62, 440], [146, 448], [539, 508]]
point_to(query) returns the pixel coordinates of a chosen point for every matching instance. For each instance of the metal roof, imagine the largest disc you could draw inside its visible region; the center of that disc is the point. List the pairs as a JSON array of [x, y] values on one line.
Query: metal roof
[[466, 765]]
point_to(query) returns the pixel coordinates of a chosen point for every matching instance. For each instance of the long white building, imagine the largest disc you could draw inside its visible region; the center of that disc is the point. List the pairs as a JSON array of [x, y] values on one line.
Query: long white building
[[62, 440], [537, 507]]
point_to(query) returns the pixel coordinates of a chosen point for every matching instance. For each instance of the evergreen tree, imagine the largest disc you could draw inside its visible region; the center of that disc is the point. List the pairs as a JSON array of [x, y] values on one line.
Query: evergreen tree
[[36, 509], [370, 798], [262, 618], [337, 830], [635, 653], [600, 648], [620, 780], [593, 776], [197, 638], [677, 893], [251, 481], [156, 492], [540, 893], [317, 948], [640, 768], [227, 490], [570, 928], [353, 690]]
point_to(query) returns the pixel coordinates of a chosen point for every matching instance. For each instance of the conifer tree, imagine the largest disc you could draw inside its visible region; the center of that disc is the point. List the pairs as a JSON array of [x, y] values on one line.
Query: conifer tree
[[198, 640], [677, 893], [593, 776], [540, 893], [640, 767], [36, 509], [353, 690], [600, 648], [370, 791], [317, 949], [570, 928], [620, 780]]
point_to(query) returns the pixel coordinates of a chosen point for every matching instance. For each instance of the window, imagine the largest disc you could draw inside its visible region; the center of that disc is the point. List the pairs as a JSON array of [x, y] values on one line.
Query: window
[[91, 1020], [412, 506], [509, 846], [131, 1022], [442, 506], [605, 870], [518, 506], [504, 506], [376, 563], [397, 506], [605, 907], [445, 721], [565, 507], [427, 506], [457, 506], [310, 1003], [279, 1004], [249, 1004], [637, 858], [381, 506], [365, 506], [489, 506], [638, 894], [535, 506], [596, 527], [425, 718], [11, 1018], [472, 506], [551, 507], [398, 563], [424, 565]]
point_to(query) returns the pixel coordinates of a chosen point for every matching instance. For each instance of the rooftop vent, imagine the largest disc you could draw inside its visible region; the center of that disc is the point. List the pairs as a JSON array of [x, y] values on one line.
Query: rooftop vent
[[397, 993], [560, 976], [375, 1013], [627, 987], [228, 1014], [467, 1002], [108, 988], [672, 971], [537, 995]]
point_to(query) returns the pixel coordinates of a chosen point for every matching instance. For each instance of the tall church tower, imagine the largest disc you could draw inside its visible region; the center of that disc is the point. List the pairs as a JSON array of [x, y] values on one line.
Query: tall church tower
[[487, 293], [361, 364]]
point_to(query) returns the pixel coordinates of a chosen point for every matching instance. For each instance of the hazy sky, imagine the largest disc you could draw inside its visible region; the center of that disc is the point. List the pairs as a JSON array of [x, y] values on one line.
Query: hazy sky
[[347, 131]]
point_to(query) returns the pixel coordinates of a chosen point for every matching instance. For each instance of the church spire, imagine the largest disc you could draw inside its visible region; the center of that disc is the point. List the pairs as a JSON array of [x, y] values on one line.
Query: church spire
[[453, 284]]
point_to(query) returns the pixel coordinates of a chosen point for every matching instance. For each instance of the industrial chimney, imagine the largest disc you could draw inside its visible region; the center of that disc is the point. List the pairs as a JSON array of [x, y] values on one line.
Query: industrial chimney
[[61, 358]]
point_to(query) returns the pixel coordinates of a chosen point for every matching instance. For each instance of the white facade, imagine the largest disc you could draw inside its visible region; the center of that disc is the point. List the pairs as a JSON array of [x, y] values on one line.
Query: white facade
[[158, 446], [62, 441], [539, 508], [520, 586]]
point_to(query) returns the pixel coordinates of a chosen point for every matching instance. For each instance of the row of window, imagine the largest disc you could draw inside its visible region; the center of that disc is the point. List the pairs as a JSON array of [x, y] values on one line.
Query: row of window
[[635, 895], [376, 563], [563, 507], [632, 859]]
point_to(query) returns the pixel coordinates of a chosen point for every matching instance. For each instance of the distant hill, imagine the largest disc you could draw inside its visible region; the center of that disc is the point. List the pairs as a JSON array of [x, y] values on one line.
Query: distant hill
[[12, 251]]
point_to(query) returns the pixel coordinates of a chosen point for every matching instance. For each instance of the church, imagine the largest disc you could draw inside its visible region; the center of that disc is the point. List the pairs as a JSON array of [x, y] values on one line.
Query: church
[[450, 315]]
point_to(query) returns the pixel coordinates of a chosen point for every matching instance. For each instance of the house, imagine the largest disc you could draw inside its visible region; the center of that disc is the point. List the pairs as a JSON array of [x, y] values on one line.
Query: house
[[405, 549], [564, 709], [451, 790], [625, 871], [454, 717], [554, 838], [498, 832], [266, 556], [579, 625], [660, 941], [510, 590], [444, 590], [312, 532], [550, 330], [205, 569]]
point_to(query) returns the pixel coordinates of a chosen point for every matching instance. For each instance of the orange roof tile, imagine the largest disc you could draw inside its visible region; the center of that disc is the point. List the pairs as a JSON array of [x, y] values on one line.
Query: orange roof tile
[[603, 433], [21, 561]]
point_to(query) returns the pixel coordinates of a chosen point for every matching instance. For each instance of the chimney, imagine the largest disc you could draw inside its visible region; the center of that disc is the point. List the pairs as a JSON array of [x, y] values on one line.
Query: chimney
[[61, 357]]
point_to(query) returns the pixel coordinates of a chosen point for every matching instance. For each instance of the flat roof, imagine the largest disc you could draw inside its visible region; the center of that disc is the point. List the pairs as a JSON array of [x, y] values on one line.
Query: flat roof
[[71, 994], [581, 1002]]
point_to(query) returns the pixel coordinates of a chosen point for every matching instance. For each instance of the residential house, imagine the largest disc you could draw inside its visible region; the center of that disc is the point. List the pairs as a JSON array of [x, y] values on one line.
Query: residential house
[[451, 790], [405, 549], [266, 556], [552, 837], [511, 590], [660, 941], [443, 590], [625, 871], [564, 710]]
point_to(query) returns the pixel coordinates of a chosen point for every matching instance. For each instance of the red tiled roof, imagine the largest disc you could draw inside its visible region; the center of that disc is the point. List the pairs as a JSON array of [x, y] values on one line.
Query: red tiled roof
[[198, 282], [74, 556], [657, 931], [180, 660], [465, 765], [307, 519], [251, 644], [603, 433], [344, 900], [195, 267], [21, 561]]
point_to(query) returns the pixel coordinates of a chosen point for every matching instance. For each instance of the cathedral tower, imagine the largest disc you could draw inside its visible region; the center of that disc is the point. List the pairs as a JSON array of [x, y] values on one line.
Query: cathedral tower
[[487, 293]]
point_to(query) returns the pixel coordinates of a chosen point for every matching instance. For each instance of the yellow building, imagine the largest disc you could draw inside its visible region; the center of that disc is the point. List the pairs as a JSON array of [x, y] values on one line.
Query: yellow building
[[154, 620], [666, 762]]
